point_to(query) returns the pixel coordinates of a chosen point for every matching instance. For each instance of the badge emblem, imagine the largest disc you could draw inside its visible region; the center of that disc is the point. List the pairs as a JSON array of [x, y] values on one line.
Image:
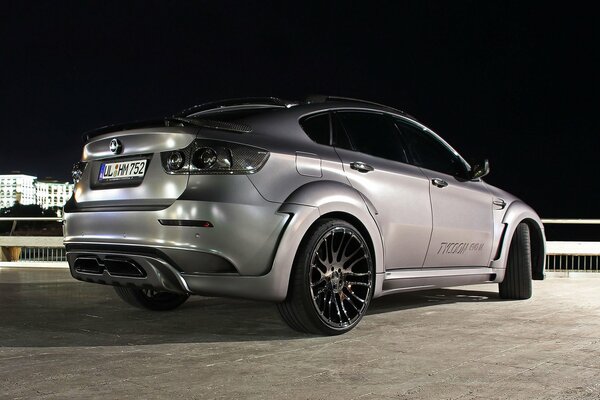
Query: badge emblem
[[115, 146]]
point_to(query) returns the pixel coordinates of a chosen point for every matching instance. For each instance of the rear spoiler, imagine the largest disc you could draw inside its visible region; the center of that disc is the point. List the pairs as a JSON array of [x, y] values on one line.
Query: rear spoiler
[[170, 121]]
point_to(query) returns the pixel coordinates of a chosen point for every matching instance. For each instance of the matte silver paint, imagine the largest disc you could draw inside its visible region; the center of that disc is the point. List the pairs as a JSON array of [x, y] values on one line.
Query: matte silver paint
[[462, 214], [245, 232], [260, 219], [308, 164], [139, 141], [400, 195]]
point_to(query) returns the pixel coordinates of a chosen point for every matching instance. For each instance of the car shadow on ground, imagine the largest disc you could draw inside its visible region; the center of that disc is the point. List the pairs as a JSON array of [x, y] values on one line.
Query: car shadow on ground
[[429, 298], [76, 314]]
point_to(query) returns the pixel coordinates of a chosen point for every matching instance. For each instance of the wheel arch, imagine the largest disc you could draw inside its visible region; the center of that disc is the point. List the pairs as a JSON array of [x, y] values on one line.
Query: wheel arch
[[337, 199], [519, 212], [538, 249], [313, 201]]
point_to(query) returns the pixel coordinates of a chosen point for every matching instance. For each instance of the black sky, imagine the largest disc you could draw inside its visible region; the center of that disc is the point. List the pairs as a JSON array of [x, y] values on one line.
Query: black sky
[[516, 82]]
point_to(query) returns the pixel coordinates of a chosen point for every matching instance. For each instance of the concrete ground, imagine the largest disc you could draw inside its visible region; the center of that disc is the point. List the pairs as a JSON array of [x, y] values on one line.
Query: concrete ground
[[60, 338]]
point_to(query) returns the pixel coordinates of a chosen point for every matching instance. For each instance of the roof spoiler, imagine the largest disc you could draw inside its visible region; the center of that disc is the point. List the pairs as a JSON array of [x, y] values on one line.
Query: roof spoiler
[[245, 101]]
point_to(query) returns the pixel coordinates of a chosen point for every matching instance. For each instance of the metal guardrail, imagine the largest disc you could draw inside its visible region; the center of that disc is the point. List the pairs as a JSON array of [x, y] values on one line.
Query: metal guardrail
[[560, 256], [43, 254], [30, 249], [572, 256], [571, 221], [57, 219]]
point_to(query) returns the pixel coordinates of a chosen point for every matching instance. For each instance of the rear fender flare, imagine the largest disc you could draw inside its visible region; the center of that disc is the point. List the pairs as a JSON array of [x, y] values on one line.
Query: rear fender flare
[[312, 201]]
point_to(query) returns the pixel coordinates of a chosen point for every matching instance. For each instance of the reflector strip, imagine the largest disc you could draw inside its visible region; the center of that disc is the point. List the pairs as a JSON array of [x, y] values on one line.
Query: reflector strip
[[185, 222]]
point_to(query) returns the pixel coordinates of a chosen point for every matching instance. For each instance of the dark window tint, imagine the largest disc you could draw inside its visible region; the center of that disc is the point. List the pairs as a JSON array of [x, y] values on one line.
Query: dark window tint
[[428, 152], [340, 138], [317, 128], [373, 134]]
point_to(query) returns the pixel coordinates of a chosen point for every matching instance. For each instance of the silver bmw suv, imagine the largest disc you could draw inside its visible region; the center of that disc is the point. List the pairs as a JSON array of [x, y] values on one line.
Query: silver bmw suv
[[318, 206]]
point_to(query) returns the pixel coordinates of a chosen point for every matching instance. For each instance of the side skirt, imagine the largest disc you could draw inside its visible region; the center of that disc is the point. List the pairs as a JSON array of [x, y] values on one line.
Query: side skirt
[[430, 278]]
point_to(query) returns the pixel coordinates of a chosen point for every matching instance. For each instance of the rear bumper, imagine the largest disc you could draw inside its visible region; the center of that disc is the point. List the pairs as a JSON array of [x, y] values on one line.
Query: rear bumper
[[160, 273], [240, 235], [165, 267], [233, 258]]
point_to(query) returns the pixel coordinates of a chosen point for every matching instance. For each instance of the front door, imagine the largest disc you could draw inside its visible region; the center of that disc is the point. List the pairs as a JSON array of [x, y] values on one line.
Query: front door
[[462, 209]]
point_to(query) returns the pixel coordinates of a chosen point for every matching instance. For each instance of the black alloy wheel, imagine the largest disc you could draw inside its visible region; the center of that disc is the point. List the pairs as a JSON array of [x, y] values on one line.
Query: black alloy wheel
[[332, 280]]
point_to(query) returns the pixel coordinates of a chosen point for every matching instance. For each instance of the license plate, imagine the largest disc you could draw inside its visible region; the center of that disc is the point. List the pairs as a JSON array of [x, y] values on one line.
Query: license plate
[[122, 170]]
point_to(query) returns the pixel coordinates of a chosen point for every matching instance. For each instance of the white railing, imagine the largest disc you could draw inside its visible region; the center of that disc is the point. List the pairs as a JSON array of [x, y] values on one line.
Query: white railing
[[560, 255], [571, 221], [30, 249], [563, 256]]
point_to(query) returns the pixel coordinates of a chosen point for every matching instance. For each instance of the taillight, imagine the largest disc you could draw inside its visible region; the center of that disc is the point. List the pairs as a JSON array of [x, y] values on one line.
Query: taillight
[[77, 170], [175, 161], [205, 156]]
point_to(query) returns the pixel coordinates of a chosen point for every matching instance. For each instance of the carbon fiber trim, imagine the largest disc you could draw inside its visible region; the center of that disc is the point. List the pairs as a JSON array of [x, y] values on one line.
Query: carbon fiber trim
[[244, 159]]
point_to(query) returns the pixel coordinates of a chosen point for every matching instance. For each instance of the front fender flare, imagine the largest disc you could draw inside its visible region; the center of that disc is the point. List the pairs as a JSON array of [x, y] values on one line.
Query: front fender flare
[[519, 212]]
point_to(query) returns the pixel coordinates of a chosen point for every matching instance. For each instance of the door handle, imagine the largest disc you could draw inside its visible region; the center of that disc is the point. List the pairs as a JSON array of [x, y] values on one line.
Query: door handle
[[361, 166], [439, 182]]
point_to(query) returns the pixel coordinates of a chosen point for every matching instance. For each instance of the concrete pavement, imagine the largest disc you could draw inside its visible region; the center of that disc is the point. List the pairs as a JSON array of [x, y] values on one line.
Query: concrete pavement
[[61, 338]]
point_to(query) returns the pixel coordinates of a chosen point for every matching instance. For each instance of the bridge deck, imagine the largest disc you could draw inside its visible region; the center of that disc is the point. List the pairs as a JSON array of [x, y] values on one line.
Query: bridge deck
[[61, 338]]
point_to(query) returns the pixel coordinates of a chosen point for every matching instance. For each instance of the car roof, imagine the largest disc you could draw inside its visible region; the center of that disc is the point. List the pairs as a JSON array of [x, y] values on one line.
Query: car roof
[[289, 109], [313, 103]]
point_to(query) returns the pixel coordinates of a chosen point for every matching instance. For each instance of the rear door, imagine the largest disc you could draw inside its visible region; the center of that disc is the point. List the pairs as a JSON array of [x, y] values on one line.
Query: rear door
[[462, 209], [375, 163]]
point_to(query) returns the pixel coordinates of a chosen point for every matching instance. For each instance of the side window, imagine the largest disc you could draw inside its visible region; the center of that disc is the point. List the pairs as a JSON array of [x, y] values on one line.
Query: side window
[[340, 138], [428, 152], [373, 134], [317, 128]]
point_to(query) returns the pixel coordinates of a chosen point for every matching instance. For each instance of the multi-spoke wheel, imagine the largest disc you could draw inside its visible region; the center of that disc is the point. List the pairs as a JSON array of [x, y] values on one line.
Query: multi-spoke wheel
[[151, 299], [332, 280]]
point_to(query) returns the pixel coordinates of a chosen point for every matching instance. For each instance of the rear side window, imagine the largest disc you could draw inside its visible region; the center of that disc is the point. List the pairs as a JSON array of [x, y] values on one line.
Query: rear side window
[[317, 127], [340, 138], [373, 134]]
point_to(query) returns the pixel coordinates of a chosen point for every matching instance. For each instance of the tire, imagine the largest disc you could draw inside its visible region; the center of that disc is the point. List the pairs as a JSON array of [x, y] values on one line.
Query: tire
[[332, 280], [151, 300], [517, 279]]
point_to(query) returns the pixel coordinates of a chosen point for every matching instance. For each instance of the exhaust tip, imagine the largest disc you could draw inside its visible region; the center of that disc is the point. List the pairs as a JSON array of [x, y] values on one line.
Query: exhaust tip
[[88, 265], [114, 266], [123, 267]]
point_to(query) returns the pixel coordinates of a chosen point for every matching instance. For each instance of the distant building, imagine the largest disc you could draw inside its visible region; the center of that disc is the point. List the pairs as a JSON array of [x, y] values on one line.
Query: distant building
[[52, 193], [17, 187], [27, 190]]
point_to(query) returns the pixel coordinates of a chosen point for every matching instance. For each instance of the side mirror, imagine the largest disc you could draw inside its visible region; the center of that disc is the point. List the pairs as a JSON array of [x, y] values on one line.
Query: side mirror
[[479, 169]]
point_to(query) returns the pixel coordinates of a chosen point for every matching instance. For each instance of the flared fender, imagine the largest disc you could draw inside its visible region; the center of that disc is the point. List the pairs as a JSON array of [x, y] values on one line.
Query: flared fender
[[520, 212], [318, 199]]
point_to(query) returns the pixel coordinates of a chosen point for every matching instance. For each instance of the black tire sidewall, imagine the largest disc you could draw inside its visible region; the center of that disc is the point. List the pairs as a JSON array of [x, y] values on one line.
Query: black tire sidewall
[[138, 298], [517, 282], [302, 267]]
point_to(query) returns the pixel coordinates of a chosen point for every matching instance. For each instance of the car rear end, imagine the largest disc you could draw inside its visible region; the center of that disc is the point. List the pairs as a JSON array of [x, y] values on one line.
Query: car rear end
[[160, 206]]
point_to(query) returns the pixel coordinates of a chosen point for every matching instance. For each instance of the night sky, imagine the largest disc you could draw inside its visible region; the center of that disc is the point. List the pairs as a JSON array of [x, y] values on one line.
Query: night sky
[[515, 82]]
